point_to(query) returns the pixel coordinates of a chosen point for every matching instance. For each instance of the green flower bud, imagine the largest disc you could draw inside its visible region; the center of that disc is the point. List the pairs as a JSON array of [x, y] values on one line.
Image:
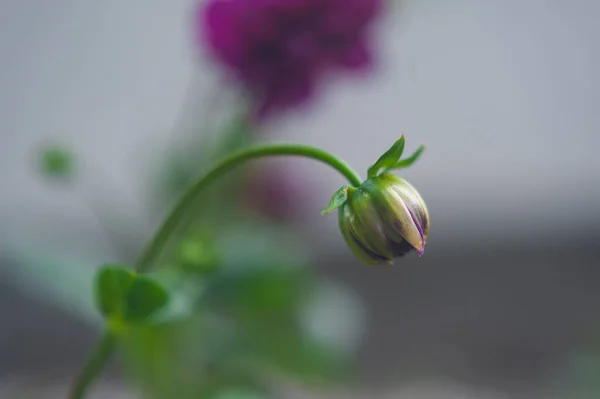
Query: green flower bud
[[383, 219]]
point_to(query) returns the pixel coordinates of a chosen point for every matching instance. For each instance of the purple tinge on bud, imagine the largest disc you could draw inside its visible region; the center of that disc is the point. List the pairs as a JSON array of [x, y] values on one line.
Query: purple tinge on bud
[[420, 251], [279, 49], [383, 219], [414, 204]]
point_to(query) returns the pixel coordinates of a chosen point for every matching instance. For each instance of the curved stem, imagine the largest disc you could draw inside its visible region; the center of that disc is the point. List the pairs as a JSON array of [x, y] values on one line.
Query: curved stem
[[157, 244], [105, 347]]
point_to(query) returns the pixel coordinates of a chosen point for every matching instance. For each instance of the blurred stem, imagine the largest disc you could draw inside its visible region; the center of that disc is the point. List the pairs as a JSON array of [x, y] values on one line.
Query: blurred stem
[[94, 366], [104, 349]]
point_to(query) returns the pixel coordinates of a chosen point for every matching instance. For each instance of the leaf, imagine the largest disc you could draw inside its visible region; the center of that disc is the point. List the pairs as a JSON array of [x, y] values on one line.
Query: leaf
[[388, 158], [112, 286], [144, 298], [186, 359], [337, 199], [284, 348], [266, 306], [124, 295], [271, 292], [198, 253], [408, 161]]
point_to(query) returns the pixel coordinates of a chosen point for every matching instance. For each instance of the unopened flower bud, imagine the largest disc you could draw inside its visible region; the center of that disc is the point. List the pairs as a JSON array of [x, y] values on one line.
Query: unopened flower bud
[[384, 218]]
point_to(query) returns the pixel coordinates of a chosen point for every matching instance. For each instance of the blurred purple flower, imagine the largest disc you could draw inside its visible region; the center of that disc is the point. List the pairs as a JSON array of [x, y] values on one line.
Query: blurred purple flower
[[278, 49], [275, 192]]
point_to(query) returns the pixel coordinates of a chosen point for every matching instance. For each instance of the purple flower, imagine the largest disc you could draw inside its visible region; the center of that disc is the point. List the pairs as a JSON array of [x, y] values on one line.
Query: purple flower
[[274, 193], [278, 49]]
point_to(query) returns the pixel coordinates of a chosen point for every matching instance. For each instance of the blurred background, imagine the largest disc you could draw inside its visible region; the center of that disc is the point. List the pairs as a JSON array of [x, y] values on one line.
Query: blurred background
[[504, 94]]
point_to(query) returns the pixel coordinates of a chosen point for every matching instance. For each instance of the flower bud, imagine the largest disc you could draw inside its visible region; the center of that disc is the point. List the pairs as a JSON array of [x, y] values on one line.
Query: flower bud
[[384, 218]]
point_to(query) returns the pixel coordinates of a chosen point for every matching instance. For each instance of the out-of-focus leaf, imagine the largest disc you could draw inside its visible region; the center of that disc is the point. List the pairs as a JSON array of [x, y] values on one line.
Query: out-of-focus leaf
[[283, 349], [56, 162], [265, 306], [264, 269], [112, 287], [151, 355], [123, 295], [198, 253], [263, 288], [188, 358], [237, 394], [144, 298], [257, 293], [579, 377]]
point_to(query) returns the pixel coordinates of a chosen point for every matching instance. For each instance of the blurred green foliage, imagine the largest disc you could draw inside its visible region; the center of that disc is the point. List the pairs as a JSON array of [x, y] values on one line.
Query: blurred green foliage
[[56, 162], [237, 394], [198, 253], [123, 296], [225, 311], [242, 330], [579, 375]]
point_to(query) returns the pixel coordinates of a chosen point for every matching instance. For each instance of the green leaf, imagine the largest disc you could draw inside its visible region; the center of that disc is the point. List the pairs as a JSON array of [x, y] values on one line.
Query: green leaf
[[337, 199], [122, 294], [404, 163], [265, 306], [112, 287], [194, 357], [144, 298], [270, 292], [198, 253], [388, 158], [285, 348]]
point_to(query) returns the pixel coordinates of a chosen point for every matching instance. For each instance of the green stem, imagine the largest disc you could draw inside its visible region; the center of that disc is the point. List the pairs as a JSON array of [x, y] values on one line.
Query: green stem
[[266, 150], [94, 366], [104, 349]]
